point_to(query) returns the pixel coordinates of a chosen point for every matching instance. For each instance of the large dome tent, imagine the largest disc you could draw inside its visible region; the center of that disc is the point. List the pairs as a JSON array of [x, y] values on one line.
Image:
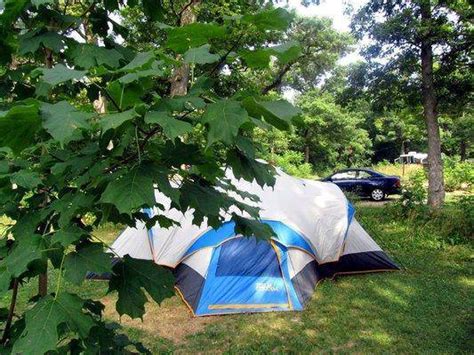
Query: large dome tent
[[218, 271]]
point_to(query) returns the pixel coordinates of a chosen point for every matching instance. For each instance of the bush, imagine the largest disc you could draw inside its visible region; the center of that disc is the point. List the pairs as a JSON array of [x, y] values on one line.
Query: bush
[[458, 175], [292, 163], [451, 225], [413, 192]]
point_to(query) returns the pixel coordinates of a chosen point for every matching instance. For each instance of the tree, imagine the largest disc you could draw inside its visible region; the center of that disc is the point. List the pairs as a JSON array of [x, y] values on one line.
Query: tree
[[400, 128], [330, 136], [320, 46], [411, 37], [67, 166], [457, 134]]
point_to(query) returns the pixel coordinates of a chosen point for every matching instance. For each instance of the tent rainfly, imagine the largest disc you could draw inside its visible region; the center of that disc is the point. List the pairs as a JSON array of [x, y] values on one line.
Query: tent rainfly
[[220, 272]]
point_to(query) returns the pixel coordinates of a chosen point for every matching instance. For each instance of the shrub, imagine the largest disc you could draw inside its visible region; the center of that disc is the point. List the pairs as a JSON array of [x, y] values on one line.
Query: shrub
[[413, 193], [458, 175]]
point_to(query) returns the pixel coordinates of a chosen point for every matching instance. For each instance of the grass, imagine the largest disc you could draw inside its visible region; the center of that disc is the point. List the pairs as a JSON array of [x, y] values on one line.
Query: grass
[[398, 169], [426, 308]]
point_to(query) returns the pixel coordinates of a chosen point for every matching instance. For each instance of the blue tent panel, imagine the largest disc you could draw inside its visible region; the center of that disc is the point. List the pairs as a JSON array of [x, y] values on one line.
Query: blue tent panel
[[285, 235], [244, 275], [289, 237], [282, 253]]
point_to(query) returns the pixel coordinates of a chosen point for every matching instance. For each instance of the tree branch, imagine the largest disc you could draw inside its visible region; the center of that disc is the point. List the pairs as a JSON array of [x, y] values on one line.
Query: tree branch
[[278, 79], [223, 58], [11, 311]]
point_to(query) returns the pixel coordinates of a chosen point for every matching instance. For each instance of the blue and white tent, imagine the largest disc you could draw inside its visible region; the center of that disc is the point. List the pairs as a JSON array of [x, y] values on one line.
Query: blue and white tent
[[219, 272]]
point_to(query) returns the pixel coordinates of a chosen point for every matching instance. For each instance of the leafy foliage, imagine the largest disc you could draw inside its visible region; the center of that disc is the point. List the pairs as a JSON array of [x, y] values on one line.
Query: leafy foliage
[[90, 128], [130, 276], [43, 321]]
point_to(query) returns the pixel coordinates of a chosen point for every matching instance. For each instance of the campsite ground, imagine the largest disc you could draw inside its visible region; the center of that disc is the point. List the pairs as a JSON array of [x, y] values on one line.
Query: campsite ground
[[427, 307]]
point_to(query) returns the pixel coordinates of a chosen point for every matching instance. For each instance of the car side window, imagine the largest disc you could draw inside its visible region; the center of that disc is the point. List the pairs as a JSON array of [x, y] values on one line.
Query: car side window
[[345, 175], [364, 175]]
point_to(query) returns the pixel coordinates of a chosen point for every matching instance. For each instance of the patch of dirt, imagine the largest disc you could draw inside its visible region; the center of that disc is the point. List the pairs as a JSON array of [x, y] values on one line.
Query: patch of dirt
[[172, 320]]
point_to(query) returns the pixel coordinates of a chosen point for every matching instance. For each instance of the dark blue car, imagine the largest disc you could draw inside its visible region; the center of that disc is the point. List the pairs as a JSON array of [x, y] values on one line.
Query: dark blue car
[[366, 183]]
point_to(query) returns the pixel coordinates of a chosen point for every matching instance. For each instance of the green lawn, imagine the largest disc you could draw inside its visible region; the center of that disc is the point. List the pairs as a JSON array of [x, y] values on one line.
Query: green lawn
[[426, 308]]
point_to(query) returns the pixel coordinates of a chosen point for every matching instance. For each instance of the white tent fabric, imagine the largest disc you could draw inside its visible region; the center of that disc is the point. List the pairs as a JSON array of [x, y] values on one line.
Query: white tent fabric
[[317, 210]]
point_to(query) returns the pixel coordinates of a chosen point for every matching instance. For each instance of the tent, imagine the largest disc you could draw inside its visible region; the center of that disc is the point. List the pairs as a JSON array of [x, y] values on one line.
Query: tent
[[219, 272]]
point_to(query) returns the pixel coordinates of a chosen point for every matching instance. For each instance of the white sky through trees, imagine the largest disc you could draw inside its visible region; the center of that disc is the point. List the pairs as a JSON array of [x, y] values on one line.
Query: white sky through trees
[[336, 10]]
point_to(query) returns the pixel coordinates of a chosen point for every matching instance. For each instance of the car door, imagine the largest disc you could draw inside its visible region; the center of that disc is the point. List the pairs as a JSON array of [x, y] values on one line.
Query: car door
[[346, 180], [363, 183]]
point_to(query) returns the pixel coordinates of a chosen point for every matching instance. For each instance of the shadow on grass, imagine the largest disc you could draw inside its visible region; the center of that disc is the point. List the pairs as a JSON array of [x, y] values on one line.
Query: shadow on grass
[[425, 308], [374, 313]]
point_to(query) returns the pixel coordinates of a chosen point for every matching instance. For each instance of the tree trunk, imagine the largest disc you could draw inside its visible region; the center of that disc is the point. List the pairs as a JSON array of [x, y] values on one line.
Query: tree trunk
[[306, 146], [436, 192], [11, 312], [180, 78], [463, 150], [306, 153]]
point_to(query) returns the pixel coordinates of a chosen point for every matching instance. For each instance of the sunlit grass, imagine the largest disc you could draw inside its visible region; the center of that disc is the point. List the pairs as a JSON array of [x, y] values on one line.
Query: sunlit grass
[[398, 169]]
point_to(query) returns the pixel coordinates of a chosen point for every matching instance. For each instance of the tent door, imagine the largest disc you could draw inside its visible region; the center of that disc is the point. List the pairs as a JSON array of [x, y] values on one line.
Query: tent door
[[244, 276]]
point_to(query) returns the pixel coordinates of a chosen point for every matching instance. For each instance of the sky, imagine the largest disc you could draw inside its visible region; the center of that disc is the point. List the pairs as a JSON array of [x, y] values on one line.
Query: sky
[[335, 10]]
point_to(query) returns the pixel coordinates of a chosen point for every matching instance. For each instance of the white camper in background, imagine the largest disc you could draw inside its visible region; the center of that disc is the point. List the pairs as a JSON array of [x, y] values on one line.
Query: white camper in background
[[412, 158]]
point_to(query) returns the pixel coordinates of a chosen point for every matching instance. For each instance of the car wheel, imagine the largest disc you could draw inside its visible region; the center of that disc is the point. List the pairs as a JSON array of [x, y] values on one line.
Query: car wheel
[[377, 194]]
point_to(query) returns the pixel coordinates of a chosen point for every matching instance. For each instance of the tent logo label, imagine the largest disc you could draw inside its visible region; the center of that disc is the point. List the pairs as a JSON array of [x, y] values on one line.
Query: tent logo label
[[265, 287]]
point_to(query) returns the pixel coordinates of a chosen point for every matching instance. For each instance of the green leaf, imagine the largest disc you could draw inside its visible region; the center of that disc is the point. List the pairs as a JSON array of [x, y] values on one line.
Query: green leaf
[[32, 41], [172, 127], [287, 52], [68, 205], [160, 176], [130, 192], [5, 278], [125, 95], [4, 167], [200, 55], [26, 250], [27, 225], [61, 120], [224, 119], [141, 59], [155, 70], [67, 235], [134, 275], [260, 58], [274, 19], [26, 179], [251, 227], [277, 113], [11, 10], [250, 169], [60, 74], [42, 321], [18, 127], [180, 39], [88, 257], [115, 120], [205, 200], [87, 56], [153, 9]]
